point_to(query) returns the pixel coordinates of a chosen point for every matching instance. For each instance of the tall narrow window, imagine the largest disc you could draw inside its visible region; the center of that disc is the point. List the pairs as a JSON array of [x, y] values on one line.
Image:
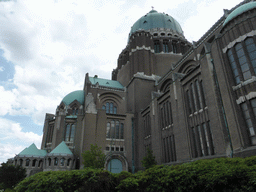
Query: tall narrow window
[[117, 130], [253, 103], [67, 132], [107, 107], [248, 120], [190, 108], [242, 61], [122, 131], [72, 133], [193, 97], [203, 93], [108, 130], [111, 108], [206, 139], [157, 47], [201, 140], [165, 46], [199, 94], [233, 66], [251, 48], [174, 47]]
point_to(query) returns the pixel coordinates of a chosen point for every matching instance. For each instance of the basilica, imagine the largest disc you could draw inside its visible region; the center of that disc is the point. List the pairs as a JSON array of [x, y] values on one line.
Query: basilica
[[183, 100]]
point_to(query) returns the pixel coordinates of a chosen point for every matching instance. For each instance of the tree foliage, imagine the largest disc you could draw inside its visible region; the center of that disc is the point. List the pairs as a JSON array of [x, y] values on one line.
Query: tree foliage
[[11, 175], [149, 160], [220, 174], [94, 158]]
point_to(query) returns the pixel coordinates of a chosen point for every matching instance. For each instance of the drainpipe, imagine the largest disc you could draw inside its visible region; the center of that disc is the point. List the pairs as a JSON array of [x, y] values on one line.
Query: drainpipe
[[222, 107], [133, 163]]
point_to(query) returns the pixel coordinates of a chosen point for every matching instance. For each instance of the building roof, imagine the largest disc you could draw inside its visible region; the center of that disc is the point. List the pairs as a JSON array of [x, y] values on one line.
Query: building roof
[[238, 11], [75, 95], [106, 82], [153, 20], [32, 151], [62, 148]]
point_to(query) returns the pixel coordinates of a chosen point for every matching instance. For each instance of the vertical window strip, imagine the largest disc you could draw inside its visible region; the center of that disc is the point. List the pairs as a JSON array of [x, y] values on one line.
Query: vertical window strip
[[107, 107], [206, 139], [170, 112], [233, 66], [108, 130], [194, 97], [67, 132], [199, 94], [248, 120], [112, 130], [111, 108], [251, 49], [189, 102], [253, 103], [164, 150], [243, 61], [117, 130], [203, 93], [201, 140], [167, 149], [165, 47], [72, 133], [122, 131], [173, 148], [194, 139], [208, 125]]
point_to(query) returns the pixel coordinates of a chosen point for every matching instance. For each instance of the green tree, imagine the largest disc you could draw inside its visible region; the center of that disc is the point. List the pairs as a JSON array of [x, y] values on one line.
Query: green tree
[[149, 160], [11, 175], [94, 158]]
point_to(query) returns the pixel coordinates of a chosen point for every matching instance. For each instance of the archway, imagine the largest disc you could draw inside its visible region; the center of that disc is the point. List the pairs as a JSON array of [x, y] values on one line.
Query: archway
[[115, 166]]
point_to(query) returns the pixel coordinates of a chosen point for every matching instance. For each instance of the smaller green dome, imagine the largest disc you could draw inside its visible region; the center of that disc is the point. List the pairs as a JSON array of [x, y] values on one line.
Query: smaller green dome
[[75, 95], [238, 11]]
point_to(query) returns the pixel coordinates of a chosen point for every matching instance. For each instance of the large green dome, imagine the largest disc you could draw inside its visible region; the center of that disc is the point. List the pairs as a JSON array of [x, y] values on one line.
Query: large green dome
[[75, 95], [154, 20], [238, 11]]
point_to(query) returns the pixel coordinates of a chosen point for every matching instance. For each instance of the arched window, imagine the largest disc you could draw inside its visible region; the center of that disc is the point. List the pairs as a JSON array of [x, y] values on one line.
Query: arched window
[[69, 162], [21, 162], [165, 46], [62, 161], [107, 107], [115, 130], [27, 162], [110, 108], [251, 48], [55, 161], [157, 47], [174, 47], [34, 163], [108, 130], [40, 163], [122, 131], [242, 58], [70, 132]]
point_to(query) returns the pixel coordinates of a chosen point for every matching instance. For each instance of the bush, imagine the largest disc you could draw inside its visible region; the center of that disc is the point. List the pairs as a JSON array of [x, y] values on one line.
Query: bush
[[223, 174]]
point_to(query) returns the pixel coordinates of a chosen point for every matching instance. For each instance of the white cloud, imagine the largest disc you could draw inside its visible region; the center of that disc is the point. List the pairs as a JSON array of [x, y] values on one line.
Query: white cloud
[[1, 69], [14, 139], [52, 44]]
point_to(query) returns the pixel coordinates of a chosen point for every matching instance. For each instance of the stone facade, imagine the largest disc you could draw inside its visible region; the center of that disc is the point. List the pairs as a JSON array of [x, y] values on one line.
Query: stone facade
[[185, 101]]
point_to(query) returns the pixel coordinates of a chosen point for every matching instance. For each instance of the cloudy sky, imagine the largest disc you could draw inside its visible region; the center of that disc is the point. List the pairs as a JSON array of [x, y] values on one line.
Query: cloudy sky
[[47, 47]]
